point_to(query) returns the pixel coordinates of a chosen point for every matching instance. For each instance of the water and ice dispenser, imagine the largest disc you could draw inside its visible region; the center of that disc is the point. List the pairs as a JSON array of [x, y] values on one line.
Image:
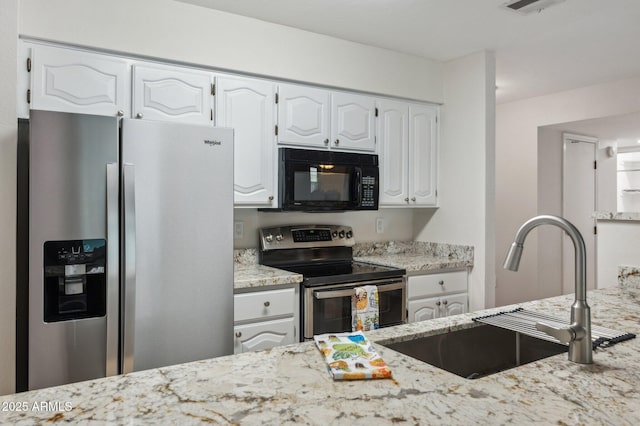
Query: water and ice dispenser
[[75, 284]]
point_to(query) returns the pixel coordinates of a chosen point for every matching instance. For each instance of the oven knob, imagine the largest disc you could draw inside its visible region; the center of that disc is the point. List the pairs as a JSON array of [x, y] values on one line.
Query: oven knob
[[268, 238], [349, 234], [341, 234], [334, 234], [279, 237]]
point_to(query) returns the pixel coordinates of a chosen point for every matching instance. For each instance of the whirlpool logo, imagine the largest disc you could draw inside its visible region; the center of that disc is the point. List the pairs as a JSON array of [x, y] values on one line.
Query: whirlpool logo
[[212, 142]]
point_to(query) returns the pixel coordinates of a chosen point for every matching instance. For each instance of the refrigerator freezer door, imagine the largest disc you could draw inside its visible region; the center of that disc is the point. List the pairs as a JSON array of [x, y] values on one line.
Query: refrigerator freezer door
[[184, 242], [68, 193]]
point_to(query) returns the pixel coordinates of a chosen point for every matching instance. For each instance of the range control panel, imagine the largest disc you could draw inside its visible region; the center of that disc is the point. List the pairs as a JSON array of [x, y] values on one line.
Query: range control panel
[[306, 236]]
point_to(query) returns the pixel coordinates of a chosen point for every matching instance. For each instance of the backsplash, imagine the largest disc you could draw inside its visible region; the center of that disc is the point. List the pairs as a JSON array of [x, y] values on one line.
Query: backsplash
[[629, 276], [451, 251]]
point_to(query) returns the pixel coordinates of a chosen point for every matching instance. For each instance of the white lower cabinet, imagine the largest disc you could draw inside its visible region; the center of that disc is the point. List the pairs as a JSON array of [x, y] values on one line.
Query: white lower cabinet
[[436, 295], [265, 319], [263, 335]]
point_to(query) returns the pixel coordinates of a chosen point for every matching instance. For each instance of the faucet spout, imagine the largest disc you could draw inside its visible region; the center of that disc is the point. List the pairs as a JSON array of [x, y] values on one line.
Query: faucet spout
[[578, 334]]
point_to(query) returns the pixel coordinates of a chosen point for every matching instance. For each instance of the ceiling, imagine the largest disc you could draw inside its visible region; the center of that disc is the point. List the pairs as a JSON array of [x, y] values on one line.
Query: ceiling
[[572, 44]]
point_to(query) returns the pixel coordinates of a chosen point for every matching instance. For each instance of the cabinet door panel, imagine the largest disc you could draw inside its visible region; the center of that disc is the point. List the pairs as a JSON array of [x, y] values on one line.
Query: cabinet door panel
[[423, 309], [393, 149], [303, 116], [172, 94], [455, 304], [423, 160], [247, 106], [75, 81], [263, 335], [352, 122]]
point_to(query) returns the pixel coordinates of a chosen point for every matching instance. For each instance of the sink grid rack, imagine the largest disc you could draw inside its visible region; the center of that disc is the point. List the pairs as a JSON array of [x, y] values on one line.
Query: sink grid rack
[[524, 321]]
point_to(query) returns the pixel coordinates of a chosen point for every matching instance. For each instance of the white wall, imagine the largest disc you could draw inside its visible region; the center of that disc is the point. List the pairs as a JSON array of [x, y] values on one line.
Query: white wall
[[193, 34], [398, 223], [517, 182], [466, 180], [8, 129]]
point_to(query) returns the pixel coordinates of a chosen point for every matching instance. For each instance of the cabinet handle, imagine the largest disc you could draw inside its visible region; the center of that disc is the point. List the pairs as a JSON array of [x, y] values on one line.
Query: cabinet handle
[[326, 141], [438, 303], [120, 113], [441, 282], [406, 199], [139, 115], [270, 197], [444, 302], [337, 142], [267, 304], [413, 199], [238, 334]]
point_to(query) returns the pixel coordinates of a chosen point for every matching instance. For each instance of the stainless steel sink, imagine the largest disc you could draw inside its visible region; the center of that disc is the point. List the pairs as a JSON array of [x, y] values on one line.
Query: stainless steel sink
[[480, 351]]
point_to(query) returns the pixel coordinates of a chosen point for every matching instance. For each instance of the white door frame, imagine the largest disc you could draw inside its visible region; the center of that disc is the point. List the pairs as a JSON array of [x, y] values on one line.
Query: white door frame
[[568, 138]]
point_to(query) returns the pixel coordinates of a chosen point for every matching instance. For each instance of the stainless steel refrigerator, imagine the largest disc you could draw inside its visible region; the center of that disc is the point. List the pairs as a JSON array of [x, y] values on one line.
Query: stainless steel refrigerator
[[125, 246]]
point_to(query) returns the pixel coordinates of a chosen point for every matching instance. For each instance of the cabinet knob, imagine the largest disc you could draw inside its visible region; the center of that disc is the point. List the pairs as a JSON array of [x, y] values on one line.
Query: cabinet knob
[[337, 142], [438, 303], [270, 197], [441, 282], [120, 113], [139, 115], [267, 304], [413, 199], [238, 334], [326, 141], [444, 302], [406, 199]]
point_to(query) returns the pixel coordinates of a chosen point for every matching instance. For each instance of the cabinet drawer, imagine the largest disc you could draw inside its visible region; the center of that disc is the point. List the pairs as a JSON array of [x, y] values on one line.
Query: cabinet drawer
[[263, 304], [436, 284]]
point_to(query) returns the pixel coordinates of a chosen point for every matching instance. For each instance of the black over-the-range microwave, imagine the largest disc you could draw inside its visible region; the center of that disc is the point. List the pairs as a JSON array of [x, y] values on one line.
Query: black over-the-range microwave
[[321, 181]]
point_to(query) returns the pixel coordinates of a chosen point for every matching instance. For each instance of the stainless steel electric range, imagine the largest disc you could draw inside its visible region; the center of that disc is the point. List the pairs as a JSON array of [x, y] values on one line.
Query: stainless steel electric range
[[323, 254]]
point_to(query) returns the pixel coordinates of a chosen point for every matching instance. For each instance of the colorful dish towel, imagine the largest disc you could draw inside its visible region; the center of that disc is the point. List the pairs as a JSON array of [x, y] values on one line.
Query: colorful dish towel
[[350, 356], [365, 314]]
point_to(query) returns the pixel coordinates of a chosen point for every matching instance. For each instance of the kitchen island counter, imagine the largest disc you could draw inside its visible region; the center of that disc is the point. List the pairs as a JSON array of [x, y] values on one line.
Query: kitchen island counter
[[290, 384]]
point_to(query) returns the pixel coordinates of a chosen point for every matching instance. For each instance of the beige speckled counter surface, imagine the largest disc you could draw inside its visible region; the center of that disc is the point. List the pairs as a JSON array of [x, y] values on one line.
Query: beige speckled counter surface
[[623, 216], [255, 276], [416, 263], [290, 384]]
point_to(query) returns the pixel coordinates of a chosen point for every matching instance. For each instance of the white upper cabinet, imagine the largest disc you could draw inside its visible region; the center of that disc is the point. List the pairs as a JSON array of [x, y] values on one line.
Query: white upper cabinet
[[423, 144], [352, 122], [393, 148], [303, 116], [76, 81], [172, 94], [248, 107], [320, 118]]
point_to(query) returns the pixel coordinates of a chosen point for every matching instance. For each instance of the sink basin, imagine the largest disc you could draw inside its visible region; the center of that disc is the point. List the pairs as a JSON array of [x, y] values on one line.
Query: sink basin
[[478, 352]]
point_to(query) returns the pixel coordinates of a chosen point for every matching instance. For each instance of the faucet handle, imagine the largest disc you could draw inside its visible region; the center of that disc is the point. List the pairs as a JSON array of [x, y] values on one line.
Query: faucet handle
[[564, 335]]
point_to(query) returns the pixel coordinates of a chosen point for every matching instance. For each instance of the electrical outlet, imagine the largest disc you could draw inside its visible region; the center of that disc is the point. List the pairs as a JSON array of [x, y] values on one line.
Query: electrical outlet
[[379, 225], [238, 230]]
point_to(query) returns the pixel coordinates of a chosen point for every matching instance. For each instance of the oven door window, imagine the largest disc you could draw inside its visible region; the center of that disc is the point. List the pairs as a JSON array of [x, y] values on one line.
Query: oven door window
[[321, 185], [332, 309]]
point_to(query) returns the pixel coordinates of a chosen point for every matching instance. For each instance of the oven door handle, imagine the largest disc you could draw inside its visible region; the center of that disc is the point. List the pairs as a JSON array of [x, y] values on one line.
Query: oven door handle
[[331, 294]]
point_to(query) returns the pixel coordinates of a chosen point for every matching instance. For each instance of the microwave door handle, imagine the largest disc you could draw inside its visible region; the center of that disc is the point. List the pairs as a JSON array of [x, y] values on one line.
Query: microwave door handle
[[358, 185]]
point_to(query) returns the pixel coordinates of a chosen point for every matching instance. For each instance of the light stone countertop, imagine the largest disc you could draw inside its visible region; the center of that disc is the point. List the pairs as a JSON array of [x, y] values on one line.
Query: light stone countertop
[[290, 385], [416, 263], [621, 216], [247, 277]]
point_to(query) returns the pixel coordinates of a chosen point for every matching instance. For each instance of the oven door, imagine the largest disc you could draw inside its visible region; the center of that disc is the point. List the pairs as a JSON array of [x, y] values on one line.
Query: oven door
[[327, 309]]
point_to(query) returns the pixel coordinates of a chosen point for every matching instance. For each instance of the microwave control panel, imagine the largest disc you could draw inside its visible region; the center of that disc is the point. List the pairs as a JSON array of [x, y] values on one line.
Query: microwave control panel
[[369, 192]]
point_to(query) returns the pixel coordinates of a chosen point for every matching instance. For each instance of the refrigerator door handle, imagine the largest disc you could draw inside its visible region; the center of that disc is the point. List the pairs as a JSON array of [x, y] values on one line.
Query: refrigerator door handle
[[129, 268], [113, 285]]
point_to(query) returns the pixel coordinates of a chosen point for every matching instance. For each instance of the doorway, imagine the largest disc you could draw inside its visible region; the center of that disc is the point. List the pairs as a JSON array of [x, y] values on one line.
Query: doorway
[[579, 195]]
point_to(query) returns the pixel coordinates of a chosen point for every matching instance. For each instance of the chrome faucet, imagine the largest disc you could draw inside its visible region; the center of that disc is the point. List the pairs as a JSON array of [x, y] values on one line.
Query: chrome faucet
[[578, 334]]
